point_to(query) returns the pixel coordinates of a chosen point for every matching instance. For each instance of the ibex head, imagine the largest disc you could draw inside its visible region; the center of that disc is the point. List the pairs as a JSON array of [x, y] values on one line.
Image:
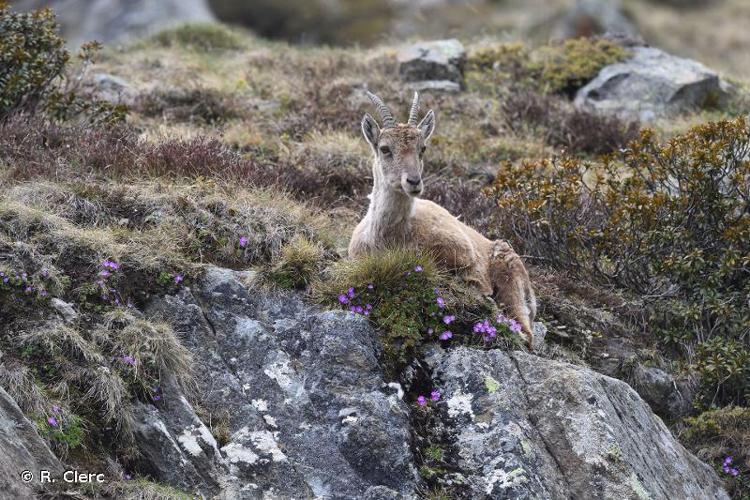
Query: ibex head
[[398, 147]]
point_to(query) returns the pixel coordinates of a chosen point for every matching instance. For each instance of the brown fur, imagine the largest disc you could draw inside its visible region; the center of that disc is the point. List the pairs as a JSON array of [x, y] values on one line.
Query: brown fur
[[397, 218]]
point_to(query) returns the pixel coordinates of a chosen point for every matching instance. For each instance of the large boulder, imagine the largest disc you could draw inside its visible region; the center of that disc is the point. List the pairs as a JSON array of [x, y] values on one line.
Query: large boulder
[[434, 65], [307, 411], [650, 84], [527, 427], [310, 413], [23, 452], [118, 20]]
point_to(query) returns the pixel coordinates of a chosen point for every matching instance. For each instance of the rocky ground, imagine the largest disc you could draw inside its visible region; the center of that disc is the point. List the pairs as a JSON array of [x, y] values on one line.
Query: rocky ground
[[170, 316]]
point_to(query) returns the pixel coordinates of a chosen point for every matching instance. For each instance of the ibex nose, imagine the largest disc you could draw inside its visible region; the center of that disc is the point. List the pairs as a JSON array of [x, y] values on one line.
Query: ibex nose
[[413, 181]]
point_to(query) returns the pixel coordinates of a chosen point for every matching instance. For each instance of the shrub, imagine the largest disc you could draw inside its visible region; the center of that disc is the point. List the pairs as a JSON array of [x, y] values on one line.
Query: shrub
[[33, 61], [565, 126], [300, 262], [411, 301], [722, 438], [566, 67], [669, 221], [198, 105], [206, 37], [561, 68]]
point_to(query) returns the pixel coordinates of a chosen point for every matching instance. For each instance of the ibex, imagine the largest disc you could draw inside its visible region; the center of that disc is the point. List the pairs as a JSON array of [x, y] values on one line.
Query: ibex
[[397, 217]]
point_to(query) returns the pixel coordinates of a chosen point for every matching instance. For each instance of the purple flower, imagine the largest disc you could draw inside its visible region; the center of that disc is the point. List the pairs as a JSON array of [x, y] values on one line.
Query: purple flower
[[430, 331], [368, 307], [485, 328], [104, 273], [343, 299], [45, 273], [446, 335], [418, 269], [178, 278], [127, 477], [514, 326], [449, 319], [440, 302], [52, 421], [370, 286], [437, 292], [421, 400], [734, 472], [56, 409], [350, 293], [43, 293], [156, 393], [111, 264], [243, 241], [128, 360], [435, 395], [728, 460]]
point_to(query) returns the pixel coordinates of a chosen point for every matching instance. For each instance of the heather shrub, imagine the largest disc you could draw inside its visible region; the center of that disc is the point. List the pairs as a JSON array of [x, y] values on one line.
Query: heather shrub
[[33, 64], [562, 125], [197, 105], [668, 221], [722, 438]]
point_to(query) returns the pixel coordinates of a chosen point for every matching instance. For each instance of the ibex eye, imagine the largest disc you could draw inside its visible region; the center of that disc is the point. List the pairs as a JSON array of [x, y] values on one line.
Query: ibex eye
[[422, 150], [385, 150]]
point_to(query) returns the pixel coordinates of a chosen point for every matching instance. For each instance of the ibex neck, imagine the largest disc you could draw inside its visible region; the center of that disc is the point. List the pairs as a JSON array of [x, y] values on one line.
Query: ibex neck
[[389, 216]]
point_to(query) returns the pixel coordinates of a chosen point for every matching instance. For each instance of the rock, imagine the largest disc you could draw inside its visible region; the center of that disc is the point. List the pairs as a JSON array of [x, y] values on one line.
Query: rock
[[435, 61], [309, 412], [650, 84], [434, 86], [65, 310], [22, 450], [175, 444], [668, 396], [593, 17], [114, 89], [118, 20], [527, 427]]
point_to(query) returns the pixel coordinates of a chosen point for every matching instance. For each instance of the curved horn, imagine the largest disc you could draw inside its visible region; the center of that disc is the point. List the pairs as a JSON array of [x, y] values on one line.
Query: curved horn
[[385, 113], [414, 111]]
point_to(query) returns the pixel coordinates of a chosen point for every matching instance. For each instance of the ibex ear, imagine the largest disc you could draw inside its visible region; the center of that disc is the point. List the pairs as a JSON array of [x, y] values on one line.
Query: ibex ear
[[370, 130], [427, 125]]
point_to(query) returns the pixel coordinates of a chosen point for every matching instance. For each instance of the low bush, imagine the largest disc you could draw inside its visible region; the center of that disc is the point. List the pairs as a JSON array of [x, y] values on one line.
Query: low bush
[[205, 37], [562, 125], [33, 65], [722, 438], [300, 262], [668, 221], [560, 68], [198, 105]]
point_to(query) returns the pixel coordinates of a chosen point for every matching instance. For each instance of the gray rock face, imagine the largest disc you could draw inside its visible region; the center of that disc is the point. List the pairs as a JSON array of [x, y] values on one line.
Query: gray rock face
[[532, 428], [668, 396], [117, 20], [22, 450], [593, 17], [437, 61], [651, 84], [310, 414]]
